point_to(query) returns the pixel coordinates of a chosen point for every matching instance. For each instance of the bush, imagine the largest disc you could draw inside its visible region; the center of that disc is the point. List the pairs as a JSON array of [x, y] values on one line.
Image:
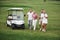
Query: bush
[[55, 0]]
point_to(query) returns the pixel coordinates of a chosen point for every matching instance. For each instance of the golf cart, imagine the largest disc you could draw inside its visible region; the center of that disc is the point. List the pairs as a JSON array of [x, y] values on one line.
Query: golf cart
[[15, 18]]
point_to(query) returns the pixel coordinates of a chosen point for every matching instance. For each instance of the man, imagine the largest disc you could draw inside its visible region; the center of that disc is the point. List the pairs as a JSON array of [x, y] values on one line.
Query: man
[[29, 14], [34, 20]]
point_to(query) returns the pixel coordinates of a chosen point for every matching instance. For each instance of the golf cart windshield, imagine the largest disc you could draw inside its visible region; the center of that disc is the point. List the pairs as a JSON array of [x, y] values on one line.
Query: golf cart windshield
[[17, 15]]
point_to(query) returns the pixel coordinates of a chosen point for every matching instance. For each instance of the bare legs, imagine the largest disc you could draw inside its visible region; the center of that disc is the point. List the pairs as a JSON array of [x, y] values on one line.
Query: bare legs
[[40, 26], [44, 27], [34, 24]]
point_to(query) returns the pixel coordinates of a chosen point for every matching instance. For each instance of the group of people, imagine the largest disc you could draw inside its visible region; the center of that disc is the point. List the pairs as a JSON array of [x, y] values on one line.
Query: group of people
[[33, 18]]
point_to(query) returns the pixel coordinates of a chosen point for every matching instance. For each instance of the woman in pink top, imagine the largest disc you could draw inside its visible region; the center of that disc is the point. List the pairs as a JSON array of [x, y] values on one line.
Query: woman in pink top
[[34, 20]]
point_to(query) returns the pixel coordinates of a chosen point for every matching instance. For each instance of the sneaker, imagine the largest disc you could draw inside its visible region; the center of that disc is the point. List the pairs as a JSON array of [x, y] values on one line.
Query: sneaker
[[40, 29], [44, 30]]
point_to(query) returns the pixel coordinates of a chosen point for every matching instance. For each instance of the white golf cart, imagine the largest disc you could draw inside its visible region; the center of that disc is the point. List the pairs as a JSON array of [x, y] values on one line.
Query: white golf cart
[[15, 18]]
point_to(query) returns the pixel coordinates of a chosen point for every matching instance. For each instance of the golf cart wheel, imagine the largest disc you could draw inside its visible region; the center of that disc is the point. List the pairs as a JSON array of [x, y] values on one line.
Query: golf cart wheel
[[23, 26], [8, 25], [13, 26]]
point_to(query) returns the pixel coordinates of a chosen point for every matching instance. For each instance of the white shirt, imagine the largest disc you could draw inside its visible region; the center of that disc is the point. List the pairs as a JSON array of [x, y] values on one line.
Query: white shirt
[[43, 16], [30, 15]]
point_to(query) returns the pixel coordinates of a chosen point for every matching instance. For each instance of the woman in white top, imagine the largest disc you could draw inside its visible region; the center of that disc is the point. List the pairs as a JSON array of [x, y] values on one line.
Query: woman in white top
[[43, 20]]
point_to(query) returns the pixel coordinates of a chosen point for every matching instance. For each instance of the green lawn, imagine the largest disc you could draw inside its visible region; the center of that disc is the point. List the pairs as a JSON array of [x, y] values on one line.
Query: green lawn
[[53, 27]]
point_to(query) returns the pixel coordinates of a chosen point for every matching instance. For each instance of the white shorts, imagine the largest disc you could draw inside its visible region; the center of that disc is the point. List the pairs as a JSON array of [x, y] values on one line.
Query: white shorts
[[34, 22], [45, 21]]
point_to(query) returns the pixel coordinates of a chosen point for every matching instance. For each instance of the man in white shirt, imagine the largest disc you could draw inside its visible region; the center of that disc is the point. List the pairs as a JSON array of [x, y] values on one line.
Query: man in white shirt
[[29, 14]]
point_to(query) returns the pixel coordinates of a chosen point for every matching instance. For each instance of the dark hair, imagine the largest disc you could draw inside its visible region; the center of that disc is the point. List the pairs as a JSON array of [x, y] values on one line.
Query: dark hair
[[10, 15]]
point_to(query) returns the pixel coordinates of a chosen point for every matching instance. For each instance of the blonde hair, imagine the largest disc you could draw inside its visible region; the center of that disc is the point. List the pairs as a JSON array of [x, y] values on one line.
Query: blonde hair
[[43, 11]]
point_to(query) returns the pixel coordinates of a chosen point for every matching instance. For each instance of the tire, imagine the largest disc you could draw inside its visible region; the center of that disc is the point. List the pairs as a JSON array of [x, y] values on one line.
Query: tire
[[8, 25], [13, 26], [23, 26]]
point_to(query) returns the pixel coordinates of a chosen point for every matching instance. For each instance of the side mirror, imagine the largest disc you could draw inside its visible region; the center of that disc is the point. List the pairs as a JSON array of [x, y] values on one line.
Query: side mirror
[[24, 15]]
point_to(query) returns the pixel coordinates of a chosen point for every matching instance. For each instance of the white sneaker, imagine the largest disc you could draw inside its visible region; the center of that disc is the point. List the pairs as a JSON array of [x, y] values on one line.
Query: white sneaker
[[44, 30], [34, 29], [40, 29]]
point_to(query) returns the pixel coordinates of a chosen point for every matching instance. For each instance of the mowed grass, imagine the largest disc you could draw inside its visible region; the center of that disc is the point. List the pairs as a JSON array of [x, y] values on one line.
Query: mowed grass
[[53, 27]]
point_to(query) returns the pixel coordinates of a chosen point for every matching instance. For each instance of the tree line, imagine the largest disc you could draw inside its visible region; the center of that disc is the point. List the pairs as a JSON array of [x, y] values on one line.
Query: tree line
[[55, 0]]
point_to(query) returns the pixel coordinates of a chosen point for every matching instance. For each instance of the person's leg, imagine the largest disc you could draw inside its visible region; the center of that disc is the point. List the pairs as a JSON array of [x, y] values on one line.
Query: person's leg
[[35, 22], [30, 24], [44, 23], [34, 27], [44, 27], [40, 25]]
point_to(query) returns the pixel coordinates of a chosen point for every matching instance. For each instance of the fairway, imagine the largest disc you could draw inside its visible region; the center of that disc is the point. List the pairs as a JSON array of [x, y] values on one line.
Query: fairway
[[53, 28]]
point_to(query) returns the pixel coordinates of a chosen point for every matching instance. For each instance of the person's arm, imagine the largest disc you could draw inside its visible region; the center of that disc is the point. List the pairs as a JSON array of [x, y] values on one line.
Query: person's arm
[[41, 17], [27, 15], [37, 15], [46, 16]]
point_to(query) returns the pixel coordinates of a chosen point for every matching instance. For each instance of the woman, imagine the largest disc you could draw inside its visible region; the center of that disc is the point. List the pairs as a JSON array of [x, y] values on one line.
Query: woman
[[34, 20], [43, 20]]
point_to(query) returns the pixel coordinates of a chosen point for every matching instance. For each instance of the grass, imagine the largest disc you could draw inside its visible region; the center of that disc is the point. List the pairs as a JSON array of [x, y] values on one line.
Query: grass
[[53, 27]]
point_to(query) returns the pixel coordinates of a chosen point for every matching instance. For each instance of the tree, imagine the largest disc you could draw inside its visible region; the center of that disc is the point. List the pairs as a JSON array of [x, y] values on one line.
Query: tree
[[44, 0], [55, 0]]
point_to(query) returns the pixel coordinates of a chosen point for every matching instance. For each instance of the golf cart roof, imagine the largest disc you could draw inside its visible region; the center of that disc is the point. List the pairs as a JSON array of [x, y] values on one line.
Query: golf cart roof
[[15, 9]]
